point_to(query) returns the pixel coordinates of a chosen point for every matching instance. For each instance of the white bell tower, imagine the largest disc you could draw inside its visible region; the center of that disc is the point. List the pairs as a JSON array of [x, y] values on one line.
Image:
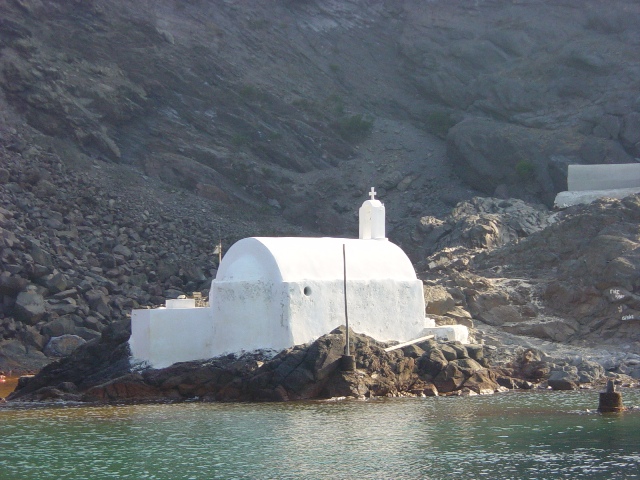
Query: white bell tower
[[372, 219]]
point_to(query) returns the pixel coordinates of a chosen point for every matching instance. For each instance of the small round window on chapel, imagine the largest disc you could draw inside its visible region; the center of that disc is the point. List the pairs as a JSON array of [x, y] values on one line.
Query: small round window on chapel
[[307, 291]]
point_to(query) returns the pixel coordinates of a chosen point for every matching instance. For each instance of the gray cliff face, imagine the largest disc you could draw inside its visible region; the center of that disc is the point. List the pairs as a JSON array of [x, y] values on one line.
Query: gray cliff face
[[573, 279], [284, 105], [133, 135]]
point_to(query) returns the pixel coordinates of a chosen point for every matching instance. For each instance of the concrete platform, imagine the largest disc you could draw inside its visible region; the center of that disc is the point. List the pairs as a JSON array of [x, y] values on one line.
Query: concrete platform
[[588, 183], [567, 199]]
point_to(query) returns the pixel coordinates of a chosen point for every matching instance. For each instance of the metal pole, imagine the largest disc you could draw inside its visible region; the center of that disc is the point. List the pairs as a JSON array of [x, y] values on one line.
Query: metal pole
[[346, 314], [348, 361]]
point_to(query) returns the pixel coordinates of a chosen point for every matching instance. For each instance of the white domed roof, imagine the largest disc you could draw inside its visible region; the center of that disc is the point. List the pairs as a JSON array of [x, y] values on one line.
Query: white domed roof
[[291, 259]]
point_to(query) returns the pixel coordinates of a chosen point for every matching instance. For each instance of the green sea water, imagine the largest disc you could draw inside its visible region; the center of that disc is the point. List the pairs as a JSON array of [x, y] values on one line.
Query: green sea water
[[512, 435]]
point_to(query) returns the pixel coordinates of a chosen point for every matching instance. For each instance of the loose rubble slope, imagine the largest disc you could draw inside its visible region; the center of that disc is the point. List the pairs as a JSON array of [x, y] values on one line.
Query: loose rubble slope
[[80, 249], [576, 281]]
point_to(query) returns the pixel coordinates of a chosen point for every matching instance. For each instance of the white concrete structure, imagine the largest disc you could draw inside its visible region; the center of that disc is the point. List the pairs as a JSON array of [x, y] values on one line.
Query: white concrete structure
[[603, 177], [372, 219], [178, 333], [279, 292], [587, 183], [274, 293], [458, 333]]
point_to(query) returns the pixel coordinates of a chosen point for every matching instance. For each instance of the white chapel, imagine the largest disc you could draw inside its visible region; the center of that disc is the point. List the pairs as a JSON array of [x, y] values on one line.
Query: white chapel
[[274, 293]]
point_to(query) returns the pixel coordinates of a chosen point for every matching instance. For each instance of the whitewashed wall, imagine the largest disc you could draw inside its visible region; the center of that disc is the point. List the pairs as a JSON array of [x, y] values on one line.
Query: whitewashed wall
[[164, 336], [279, 292]]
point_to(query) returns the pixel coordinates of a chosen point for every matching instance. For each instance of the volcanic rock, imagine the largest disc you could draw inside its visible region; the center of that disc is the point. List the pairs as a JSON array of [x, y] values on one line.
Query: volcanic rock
[[63, 345], [100, 370], [118, 183], [30, 306], [19, 357]]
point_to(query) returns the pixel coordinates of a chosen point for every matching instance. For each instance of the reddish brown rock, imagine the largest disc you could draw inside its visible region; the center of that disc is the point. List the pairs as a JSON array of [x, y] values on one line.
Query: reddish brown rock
[[450, 379], [482, 382], [129, 387]]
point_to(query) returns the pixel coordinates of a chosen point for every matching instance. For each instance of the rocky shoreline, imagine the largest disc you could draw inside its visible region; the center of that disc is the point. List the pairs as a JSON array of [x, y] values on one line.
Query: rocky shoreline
[[100, 372]]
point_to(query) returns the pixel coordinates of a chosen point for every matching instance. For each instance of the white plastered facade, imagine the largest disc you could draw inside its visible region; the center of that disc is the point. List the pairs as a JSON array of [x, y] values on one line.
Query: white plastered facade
[[279, 292]]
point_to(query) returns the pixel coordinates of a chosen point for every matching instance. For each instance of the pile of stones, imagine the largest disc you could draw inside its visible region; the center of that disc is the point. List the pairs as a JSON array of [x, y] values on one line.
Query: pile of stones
[[79, 250]]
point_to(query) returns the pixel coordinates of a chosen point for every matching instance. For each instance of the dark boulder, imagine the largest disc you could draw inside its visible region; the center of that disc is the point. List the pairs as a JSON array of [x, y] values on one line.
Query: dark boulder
[[433, 362], [482, 382], [11, 284], [450, 379], [20, 358], [63, 345], [30, 306], [565, 378]]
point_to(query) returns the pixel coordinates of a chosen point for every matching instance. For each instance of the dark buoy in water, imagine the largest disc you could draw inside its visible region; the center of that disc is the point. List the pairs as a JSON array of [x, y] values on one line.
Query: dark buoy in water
[[610, 401]]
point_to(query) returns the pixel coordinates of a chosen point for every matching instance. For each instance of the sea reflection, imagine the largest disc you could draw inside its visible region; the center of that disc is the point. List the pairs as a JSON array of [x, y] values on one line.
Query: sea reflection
[[527, 435]]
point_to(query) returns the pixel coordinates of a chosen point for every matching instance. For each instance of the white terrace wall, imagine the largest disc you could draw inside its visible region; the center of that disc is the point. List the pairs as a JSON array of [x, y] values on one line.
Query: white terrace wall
[[588, 183], [164, 336], [603, 177]]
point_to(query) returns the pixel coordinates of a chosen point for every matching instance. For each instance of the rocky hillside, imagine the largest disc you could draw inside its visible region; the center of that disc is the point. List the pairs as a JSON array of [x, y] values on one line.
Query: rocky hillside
[[575, 281], [80, 248], [135, 135], [299, 106]]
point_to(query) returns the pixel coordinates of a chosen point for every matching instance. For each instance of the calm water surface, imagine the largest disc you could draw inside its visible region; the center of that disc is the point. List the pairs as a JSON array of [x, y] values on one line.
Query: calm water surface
[[514, 435]]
